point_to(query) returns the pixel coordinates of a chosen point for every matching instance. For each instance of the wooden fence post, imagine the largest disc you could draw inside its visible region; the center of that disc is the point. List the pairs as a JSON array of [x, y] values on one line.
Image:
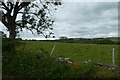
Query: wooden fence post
[[113, 56], [52, 50]]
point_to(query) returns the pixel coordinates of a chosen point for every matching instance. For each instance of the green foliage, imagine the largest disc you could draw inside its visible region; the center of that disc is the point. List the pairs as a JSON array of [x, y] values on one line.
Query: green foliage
[[35, 16], [10, 45], [26, 65], [34, 61], [106, 41], [19, 64]]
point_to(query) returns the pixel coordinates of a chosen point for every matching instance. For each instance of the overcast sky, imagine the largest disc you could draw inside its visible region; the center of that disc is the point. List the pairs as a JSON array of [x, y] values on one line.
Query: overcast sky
[[83, 20], [92, 19]]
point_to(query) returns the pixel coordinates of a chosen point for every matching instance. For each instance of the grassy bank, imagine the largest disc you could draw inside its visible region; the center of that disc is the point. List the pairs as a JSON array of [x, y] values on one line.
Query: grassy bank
[[31, 59]]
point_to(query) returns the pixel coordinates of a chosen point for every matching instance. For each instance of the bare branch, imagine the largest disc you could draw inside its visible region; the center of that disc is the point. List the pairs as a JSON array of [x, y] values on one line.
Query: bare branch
[[27, 13], [11, 6], [16, 9], [5, 7], [23, 4]]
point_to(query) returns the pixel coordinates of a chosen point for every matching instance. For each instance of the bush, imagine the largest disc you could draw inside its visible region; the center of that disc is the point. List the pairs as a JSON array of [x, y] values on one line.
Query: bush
[[10, 45], [31, 65], [27, 65], [106, 41]]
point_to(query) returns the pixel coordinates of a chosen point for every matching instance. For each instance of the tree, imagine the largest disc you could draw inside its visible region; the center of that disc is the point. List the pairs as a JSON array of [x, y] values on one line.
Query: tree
[[35, 16], [63, 38]]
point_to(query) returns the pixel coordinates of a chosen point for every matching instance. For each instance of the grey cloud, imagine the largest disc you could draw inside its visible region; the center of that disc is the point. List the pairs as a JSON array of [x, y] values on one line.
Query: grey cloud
[[84, 12], [87, 19]]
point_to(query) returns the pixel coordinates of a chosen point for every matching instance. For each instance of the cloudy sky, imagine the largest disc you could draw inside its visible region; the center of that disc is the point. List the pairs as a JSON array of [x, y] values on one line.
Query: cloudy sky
[[91, 19], [83, 20]]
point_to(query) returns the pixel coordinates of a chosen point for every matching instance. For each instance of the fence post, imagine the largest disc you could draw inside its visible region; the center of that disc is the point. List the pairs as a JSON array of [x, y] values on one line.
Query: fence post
[[52, 50], [113, 56]]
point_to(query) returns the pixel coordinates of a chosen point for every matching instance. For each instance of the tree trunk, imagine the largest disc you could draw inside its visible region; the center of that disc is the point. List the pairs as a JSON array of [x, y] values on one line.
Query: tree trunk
[[12, 34], [12, 27]]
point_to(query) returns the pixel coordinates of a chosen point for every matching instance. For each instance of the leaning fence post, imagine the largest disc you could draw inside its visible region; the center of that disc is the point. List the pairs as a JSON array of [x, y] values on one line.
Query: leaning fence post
[[52, 50], [113, 56]]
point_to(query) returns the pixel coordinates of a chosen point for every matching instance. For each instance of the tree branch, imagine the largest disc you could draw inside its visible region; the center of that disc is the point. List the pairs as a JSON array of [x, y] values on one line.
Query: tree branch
[[28, 13], [11, 6], [23, 4], [5, 23], [16, 9], [45, 7], [5, 7]]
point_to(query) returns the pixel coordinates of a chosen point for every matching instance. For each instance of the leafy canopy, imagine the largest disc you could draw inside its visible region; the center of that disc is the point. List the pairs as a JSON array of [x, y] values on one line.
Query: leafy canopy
[[34, 15]]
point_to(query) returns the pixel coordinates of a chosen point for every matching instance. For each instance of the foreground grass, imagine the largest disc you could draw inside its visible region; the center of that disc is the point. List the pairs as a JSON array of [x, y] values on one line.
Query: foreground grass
[[40, 65], [33, 60]]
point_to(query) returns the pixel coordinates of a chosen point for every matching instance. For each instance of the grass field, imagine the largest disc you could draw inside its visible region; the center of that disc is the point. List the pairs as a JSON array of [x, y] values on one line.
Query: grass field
[[32, 59], [77, 52]]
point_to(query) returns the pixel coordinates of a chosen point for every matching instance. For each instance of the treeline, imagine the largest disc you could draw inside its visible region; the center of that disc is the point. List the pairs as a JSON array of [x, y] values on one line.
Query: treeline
[[79, 40], [85, 40], [91, 41]]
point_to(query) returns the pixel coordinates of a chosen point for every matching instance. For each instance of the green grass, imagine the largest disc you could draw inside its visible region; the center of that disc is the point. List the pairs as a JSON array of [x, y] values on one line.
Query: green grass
[[33, 60], [77, 52]]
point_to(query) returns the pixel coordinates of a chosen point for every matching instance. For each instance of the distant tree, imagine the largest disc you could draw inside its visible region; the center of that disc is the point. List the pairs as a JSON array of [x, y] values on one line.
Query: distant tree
[[106, 41], [19, 38], [71, 38], [118, 42], [35, 16], [63, 38]]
